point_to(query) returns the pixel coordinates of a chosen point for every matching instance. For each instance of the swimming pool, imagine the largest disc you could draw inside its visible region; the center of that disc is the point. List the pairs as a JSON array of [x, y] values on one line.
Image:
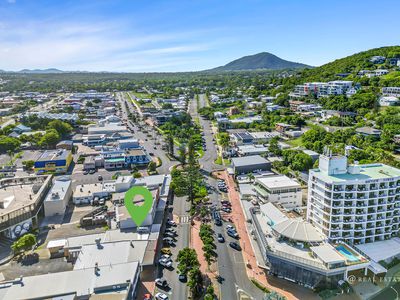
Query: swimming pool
[[347, 253]]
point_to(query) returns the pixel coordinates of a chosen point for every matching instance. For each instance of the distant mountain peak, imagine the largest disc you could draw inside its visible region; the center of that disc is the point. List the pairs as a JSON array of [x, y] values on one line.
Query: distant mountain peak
[[41, 71], [263, 60]]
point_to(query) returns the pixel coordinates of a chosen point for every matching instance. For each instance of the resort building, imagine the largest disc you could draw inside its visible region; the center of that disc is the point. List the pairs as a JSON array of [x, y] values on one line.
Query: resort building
[[295, 250], [354, 203]]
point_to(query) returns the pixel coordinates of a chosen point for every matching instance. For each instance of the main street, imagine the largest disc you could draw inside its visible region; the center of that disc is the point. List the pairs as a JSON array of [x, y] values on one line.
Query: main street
[[178, 211], [230, 262], [231, 266]]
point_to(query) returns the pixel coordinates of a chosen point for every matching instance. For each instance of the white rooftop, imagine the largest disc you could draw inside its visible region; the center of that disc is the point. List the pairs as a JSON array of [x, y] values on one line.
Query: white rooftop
[[276, 182], [59, 189], [110, 253], [85, 190], [327, 254], [298, 230], [381, 250], [274, 215], [78, 283]]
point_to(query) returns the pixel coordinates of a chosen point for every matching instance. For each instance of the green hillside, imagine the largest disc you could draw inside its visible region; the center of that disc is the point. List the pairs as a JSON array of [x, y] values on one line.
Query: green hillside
[[350, 64], [258, 61]]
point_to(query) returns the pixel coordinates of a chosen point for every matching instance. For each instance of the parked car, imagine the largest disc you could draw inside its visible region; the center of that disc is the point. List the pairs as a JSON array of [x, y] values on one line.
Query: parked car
[[220, 238], [166, 251], [171, 222], [161, 282], [233, 234], [165, 262], [168, 241], [182, 277], [171, 230], [166, 256], [226, 209], [85, 172], [169, 234], [147, 297], [161, 296], [235, 246], [230, 227], [92, 171]]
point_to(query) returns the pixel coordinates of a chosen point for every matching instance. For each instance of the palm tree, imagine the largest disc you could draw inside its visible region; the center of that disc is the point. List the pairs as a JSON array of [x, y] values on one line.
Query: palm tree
[[251, 177]]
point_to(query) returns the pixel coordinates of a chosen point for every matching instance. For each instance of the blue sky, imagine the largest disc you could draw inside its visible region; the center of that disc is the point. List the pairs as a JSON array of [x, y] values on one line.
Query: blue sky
[[190, 35]]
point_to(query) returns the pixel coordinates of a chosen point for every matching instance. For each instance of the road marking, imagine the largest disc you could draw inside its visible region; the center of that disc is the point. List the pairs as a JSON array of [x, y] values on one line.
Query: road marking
[[238, 257], [184, 219]]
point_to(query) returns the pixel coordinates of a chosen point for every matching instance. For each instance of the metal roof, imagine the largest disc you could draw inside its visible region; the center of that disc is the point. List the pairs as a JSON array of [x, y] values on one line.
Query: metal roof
[[298, 230]]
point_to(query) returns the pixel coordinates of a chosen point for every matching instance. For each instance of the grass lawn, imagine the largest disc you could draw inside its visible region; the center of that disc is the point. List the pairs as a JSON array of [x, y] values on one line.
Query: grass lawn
[[142, 95], [227, 162], [218, 161], [132, 99], [296, 142]]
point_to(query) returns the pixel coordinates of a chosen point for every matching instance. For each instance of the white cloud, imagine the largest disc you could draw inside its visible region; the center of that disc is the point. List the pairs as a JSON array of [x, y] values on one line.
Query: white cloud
[[91, 46]]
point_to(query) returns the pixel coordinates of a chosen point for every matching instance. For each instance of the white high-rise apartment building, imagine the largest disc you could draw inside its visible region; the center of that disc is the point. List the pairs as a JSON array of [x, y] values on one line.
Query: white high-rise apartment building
[[354, 203]]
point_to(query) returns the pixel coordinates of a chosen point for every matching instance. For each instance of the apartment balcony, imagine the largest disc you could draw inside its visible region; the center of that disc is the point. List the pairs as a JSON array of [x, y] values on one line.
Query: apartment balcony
[[348, 220], [358, 227], [369, 232], [350, 188], [370, 226], [361, 188], [360, 220], [373, 187]]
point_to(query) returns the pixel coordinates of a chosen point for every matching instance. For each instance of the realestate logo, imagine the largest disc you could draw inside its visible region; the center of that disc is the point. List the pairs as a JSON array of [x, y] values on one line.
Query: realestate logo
[[138, 213]]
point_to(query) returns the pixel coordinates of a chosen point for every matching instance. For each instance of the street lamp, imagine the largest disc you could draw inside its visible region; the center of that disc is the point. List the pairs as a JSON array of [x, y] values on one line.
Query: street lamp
[[397, 294]]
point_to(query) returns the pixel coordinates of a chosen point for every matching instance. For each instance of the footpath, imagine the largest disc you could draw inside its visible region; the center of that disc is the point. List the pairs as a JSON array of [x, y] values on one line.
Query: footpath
[[283, 287]]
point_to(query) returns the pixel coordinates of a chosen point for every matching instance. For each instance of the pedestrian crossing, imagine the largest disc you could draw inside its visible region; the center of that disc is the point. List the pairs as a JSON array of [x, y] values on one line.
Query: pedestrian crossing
[[184, 219]]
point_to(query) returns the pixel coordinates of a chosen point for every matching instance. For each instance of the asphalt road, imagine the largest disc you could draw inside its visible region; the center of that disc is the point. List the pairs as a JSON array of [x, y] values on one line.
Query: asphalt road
[[179, 207], [210, 154], [231, 266], [148, 139], [230, 262], [178, 290], [389, 293]]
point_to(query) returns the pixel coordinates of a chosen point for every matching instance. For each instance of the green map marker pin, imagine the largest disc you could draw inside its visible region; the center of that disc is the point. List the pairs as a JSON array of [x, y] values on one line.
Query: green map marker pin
[[138, 213]]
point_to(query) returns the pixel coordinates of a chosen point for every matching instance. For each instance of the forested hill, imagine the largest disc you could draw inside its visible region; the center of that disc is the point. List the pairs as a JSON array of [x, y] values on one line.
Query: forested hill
[[263, 60], [351, 64]]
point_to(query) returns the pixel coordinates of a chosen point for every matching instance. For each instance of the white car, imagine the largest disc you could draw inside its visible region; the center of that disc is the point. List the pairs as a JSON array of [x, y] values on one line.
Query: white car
[[230, 227], [165, 262], [171, 223], [161, 296], [165, 256]]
